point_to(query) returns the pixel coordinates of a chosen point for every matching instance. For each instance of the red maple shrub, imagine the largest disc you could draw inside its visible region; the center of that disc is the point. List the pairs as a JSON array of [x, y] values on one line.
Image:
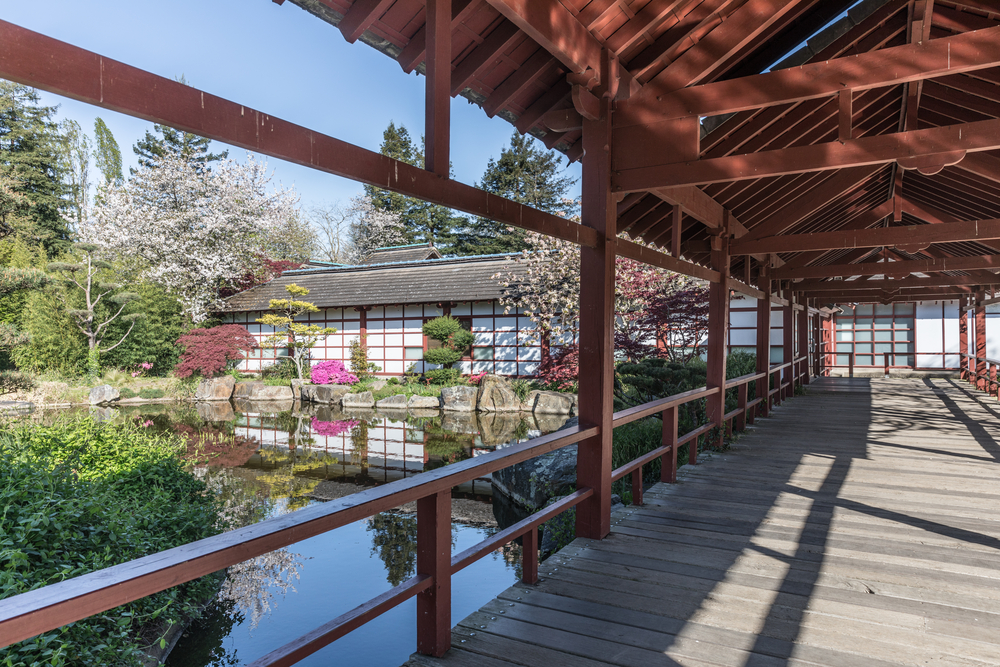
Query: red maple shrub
[[209, 351], [561, 369]]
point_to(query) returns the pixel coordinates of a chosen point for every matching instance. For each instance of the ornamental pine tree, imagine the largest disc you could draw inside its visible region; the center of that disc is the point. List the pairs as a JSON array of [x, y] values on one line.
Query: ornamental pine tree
[[297, 337], [83, 275], [453, 338]]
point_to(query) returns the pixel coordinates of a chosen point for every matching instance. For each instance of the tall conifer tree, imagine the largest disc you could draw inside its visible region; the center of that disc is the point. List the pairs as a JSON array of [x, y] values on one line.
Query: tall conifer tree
[[107, 154], [528, 175]]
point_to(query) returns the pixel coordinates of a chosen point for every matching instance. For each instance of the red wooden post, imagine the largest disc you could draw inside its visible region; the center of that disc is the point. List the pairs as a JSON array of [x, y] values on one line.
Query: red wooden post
[[804, 342], [829, 336], [850, 361], [434, 560], [993, 379], [718, 333], [886, 360], [597, 298], [741, 396], [788, 344], [668, 462], [637, 486], [963, 339], [764, 337], [529, 557], [980, 342], [437, 98]]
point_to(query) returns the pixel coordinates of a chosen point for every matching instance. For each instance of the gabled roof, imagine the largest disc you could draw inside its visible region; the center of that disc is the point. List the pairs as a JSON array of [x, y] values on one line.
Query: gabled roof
[[425, 281], [403, 253]]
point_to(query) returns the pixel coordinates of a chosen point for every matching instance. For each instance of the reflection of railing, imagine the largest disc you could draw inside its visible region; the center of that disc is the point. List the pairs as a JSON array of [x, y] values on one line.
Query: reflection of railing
[[30, 614]]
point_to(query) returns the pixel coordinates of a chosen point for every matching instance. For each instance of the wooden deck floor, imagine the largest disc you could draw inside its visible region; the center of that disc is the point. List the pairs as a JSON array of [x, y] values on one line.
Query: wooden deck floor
[[859, 526]]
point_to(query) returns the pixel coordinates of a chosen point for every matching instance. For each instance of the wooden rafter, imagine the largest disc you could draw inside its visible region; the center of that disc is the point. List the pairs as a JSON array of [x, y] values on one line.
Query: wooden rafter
[[893, 268]]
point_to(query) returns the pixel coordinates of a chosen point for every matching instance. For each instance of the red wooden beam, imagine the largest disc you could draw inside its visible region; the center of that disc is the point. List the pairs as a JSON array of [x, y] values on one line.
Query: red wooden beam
[[654, 257], [416, 49], [492, 48], [527, 73], [42, 62], [816, 285], [360, 17], [936, 141], [894, 268], [913, 235], [968, 52], [437, 98]]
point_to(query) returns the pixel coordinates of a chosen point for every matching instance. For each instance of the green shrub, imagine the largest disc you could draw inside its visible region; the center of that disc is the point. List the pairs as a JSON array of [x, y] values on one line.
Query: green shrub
[[283, 369], [393, 381], [82, 496], [453, 338], [444, 375], [151, 393], [521, 388], [360, 365], [14, 381], [125, 392]]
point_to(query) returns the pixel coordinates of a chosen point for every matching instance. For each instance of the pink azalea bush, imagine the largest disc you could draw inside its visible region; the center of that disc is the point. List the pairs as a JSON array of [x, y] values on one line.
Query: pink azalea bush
[[332, 372], [332, 428]]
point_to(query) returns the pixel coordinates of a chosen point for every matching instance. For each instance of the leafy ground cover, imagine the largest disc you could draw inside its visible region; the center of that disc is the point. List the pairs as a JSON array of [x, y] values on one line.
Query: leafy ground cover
[[81, 496]]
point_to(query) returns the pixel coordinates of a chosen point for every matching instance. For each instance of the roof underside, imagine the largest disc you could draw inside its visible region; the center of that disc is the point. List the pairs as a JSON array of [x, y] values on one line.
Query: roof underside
[[498, 66]]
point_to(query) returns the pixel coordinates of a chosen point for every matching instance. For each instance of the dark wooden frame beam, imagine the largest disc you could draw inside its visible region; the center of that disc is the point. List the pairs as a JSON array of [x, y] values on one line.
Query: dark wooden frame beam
[[937, 142], [910, 235], [360, 17], [437, 98], [967, 52], [817, 285], [892, 268], [39, 61]]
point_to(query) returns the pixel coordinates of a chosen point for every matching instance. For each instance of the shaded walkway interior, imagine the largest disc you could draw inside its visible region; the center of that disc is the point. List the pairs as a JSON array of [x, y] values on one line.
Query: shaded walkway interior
[[858, 525]]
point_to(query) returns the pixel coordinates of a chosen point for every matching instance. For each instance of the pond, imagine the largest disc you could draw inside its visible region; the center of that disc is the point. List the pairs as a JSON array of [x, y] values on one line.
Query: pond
[[273, 458]]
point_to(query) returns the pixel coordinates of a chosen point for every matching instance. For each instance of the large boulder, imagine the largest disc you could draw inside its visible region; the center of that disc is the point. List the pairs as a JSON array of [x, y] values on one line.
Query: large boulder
[[459, 399], [362, 400], [271, 393], [325, 393], [396, 402], [424, 402], [216, 389], [297, 388], [495, 395], [526, 487], [104, 394], [552, 402], [246, 390], [216, 411]]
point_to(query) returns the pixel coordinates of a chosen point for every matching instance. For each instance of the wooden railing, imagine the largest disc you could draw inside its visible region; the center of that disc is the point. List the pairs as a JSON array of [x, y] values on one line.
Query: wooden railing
[[981, 372], [45, 609]]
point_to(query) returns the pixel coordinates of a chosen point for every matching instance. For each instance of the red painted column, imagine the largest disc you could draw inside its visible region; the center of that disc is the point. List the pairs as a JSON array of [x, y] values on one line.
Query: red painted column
[[437, 99], [963, 338], [817, 323], [787, 343], [980, 342], [804, 342], [434, 560], [764, 337], [597, 298], [718, 333]]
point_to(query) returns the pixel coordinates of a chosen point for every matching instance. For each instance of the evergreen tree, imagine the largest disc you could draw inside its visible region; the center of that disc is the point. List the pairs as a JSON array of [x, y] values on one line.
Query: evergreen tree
[[75, 155], [422, 222], [30, 159], [527, 174], [191, 147], [107, 154]]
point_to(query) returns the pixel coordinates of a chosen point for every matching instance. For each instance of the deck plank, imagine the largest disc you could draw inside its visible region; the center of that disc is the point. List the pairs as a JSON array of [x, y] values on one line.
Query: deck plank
[[858, 525]]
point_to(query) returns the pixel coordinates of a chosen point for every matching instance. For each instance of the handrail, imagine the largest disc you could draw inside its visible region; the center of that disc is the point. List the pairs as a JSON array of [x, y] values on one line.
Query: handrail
[[44, 609]]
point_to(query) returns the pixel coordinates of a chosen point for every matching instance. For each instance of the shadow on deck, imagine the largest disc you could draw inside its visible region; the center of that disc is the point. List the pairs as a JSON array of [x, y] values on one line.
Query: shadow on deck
[[857, 526]]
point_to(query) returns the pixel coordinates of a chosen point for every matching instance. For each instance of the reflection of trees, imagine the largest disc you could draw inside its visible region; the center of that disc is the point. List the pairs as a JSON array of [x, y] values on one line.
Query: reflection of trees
[[446, 446], [252, 585], [208, 445], [203, 642], [395, 542], [359, 444]]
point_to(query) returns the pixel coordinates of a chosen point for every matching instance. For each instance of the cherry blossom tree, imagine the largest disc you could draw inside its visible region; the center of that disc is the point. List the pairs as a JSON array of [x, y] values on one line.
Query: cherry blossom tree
[[371, 228], [191, 232]]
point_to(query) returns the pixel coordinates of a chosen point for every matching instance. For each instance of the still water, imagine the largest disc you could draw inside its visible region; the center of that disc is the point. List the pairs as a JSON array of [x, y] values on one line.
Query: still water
[[269, 459]]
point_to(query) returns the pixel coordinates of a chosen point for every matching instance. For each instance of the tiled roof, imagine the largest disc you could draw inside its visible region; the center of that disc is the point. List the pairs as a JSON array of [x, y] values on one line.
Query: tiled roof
[[426, 281], [405, 253]]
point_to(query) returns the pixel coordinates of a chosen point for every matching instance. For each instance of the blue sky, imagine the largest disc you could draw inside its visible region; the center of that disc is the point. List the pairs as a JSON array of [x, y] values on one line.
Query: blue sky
[[278, 59]]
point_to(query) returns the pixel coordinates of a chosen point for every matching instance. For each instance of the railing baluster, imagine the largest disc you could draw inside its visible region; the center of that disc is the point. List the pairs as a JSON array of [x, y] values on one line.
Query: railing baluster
[[668, 462], [741, 398], [529, 557], [637, 486], [850, 363], [434, 560]]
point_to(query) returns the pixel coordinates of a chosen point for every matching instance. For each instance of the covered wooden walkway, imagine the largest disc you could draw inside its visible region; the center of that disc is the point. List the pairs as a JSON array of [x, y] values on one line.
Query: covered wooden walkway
[[859, 525]]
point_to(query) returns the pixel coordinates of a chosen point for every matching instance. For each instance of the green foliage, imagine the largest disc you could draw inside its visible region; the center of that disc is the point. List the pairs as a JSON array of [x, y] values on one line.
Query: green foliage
[[283, 369], [360, 365], [151, 393], [56, 344], [443, 376], [125, 392], [13, 280], [15, 381], [30, 147], [394, 541], [422, 222], [107, 154], [82, 496], [191, 147], [521, 388], [527, 174], [154, 336], [288, 333], [453, 338]]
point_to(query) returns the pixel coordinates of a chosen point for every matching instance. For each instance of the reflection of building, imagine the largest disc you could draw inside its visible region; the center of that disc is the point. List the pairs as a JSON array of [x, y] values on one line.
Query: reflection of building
[[388, 300], [381, 450]]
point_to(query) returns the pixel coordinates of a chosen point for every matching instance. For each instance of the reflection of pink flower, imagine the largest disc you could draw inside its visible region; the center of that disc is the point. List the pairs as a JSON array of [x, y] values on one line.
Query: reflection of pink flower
[[332, 428]]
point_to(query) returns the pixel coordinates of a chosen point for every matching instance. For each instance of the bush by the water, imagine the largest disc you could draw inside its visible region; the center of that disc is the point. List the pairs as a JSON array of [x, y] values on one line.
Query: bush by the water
[[82, 496]]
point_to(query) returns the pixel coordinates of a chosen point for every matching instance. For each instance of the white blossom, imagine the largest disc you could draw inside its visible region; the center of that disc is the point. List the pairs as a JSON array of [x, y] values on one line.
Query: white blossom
[[372, 228], [190, 232]]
